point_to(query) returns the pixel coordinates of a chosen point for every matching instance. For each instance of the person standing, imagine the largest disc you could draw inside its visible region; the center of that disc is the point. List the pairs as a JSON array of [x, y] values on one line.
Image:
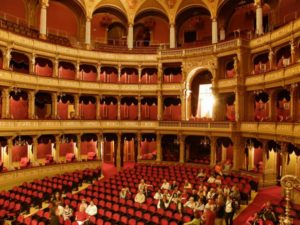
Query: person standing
[[229, 211]]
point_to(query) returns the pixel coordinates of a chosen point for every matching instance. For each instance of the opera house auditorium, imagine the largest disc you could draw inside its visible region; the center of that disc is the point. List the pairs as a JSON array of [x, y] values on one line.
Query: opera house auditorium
[[149, 112]]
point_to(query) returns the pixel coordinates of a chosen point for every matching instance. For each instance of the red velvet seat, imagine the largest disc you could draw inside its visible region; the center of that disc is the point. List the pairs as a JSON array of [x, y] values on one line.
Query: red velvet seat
[[70, 157], [91, 155]]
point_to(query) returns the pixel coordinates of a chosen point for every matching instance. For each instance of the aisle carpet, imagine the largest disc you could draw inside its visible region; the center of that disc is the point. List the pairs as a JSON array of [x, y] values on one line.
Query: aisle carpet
[[108, 169], [265, 194]]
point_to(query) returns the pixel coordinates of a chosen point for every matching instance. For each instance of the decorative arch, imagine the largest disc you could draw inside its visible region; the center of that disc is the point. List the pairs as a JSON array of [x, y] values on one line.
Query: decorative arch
[[194, 72]]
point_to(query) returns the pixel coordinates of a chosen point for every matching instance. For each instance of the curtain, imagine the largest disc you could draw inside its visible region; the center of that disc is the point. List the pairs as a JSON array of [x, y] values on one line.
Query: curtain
[[66, 148], [18, 109], [62, 110], [18, 152], [43, 150], [88, 146], [44, 71]]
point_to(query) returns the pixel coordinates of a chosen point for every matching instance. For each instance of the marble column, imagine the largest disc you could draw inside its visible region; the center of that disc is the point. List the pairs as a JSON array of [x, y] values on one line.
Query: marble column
[[57, 148], [159, 106], [43, 20], [76, 107], [130, 36], [214, 30], [213, 150], [31, 105], [5, 104], [259, 18], [172, 36], [88, 32], [119, 108], [98, 114]]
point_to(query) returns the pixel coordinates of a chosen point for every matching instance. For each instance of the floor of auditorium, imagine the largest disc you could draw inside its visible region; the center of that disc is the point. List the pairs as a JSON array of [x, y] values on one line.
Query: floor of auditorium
[[272, 194]]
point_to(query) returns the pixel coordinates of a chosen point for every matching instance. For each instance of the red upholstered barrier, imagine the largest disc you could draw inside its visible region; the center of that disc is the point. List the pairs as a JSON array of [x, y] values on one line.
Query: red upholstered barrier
[[261, 111], [19, 152], [66, 73], [62, 110], [88, 76], [66, 148], [43, 150], [88, 111], [18, 109], [230, 112], [44, 71]]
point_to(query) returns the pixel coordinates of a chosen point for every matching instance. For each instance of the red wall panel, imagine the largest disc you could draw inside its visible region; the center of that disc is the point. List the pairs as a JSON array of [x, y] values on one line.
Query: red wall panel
[[18, 109], [43, 150], [18, 152]]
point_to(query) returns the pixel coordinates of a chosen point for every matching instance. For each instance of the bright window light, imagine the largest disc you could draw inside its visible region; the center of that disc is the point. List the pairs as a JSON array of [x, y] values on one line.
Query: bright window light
[[205, 101]]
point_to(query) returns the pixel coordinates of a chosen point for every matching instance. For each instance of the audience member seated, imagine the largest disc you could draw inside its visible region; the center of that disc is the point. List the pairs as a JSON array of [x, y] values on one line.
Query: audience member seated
[[211, 179], [24, 162], [190, 203], [227, 168], [56, 199], [165, 185], [211, 194], [219, 169], [83, 205], [81, 216], [67, 213], [211, 205], [158, 195], [124, 193], [140, 197], [199, 205], [201, 174], [164, 202], [91, 210], [187, 185], [218, 180], [174, 185], [143, 187]]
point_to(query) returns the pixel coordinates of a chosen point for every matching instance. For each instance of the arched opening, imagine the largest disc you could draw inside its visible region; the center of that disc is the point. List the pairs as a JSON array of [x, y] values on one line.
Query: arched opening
[[109, 148], [109, 108], [15, 12], [128, 148], [149, 76], [68, 147], [129, 76], [254, 155], [149, 108], [87, 107], [88, 72], [45, 149], [109, 74], [148, 147], [197, 149], [66, 70], [43, 105], [172, 109], [202, 99], [3, 154], [19, 62], [22, 151], [193, 26], [261, 63], [283, 102], [108, 26], [283, 56], [224, 151], [230, 107], [88, 146], [117, 34], [1, 60], [43, 67], [170, 148], [172, 73], [129, 108], [261, 106], [150, 28], [65, 107], [18, 104], [274, 156]]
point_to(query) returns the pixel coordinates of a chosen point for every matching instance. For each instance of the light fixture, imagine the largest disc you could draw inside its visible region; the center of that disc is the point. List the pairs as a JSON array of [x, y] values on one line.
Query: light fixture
[[204, 141]]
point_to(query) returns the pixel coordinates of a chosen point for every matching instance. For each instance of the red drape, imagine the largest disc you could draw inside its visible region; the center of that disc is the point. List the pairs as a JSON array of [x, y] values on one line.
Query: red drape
[[43, 150], [68, 74], [18, 152], [18, 109], [258, 155], [129, 78], [230, 73], [172, 78], [41, 112], [66, 148], [261, 111], [44, 71], [149, 79], [283, 110], [88, 146], [1, 63], [91, 76], [229, 153], [108, 112], [230, 112], [108, 151], [88, 111], [108, 78], [62, 110]]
